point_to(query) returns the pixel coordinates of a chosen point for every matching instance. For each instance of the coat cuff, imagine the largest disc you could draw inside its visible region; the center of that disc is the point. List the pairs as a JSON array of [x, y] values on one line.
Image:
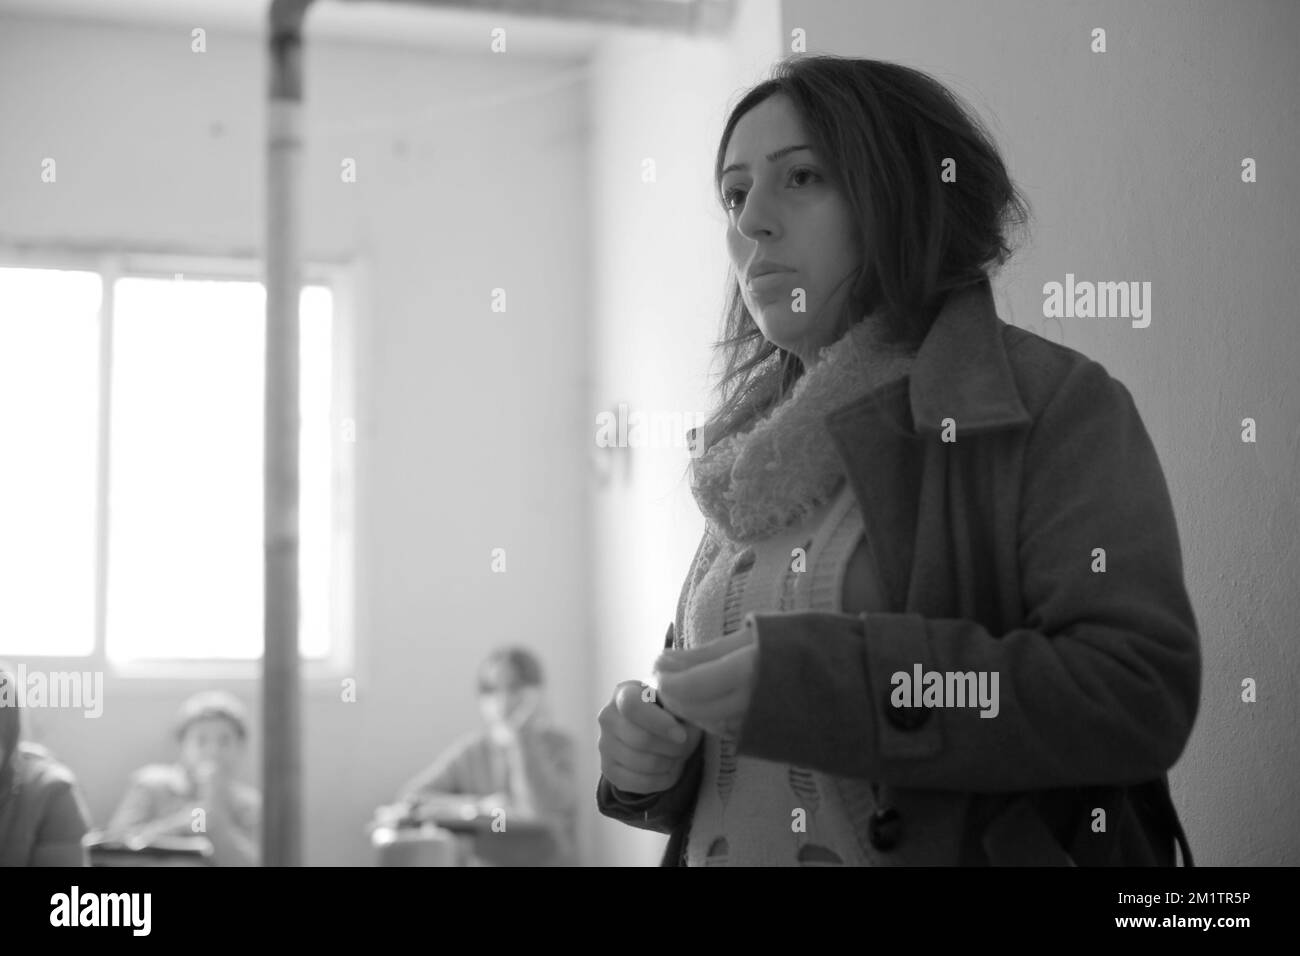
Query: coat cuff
[[821, 696], [662, 812]]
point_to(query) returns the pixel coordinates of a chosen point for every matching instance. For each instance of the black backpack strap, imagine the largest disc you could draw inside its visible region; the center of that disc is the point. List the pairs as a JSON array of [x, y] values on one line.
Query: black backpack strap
[[1171, 812], [1149, 805]]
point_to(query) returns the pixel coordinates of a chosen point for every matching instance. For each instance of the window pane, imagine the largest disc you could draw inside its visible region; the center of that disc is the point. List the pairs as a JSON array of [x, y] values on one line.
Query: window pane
[[185, 538], [49, 375]]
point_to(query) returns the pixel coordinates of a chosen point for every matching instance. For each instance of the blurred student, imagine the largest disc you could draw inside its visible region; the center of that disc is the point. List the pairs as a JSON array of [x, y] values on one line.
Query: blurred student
[[164, 799], [520, 763], [42, 813]]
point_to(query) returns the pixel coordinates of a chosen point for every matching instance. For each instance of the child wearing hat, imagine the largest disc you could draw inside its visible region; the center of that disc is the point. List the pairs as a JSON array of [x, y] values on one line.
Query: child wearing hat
[[198, 794]]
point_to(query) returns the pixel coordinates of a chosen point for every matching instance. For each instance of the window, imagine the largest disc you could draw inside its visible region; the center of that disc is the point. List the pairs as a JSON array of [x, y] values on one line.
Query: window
[[131, 498], [49, 355]]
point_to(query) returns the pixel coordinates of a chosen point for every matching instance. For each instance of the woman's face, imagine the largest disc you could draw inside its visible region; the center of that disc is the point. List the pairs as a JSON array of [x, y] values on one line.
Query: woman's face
[[787, 211]]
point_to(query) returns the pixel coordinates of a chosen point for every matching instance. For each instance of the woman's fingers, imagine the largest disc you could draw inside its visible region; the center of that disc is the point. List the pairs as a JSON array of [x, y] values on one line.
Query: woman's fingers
[[633, 718], [708, 680], [715, 694], [719, 715], [670, 661], [633, 781], [636, 759]]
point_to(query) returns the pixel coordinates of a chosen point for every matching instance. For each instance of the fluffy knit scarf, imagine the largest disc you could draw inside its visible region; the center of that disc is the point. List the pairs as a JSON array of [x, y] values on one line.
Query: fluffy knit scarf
[[783, 465]]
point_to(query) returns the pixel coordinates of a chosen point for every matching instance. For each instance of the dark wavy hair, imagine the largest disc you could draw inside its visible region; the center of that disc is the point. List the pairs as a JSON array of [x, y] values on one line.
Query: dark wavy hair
[[882, 132]]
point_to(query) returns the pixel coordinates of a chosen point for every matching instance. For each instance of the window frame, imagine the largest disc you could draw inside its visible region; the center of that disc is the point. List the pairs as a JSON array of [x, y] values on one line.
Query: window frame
[[343, 278]]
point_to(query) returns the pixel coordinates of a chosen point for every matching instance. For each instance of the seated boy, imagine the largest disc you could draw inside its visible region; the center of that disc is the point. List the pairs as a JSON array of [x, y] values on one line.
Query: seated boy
[[42, 813], [198, 795]]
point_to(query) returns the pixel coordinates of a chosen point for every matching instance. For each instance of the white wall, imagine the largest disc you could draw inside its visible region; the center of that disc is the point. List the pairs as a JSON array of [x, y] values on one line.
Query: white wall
[[473, 426], [659, 264], [1131, 159]]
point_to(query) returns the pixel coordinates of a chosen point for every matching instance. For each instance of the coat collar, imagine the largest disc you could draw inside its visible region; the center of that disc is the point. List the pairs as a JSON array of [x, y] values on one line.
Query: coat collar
[[886, 437], [961, 370]]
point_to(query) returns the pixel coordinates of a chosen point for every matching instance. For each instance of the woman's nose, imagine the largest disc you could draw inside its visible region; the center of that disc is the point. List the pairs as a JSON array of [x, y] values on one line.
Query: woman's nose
[[757, 217]]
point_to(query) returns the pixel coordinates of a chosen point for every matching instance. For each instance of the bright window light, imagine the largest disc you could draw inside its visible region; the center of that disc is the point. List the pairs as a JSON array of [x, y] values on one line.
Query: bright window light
[[185, 471], [49, 381]]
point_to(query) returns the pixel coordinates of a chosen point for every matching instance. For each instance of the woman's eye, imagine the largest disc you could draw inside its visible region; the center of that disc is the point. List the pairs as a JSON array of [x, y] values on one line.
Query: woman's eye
[[802, 169], [729, 196]]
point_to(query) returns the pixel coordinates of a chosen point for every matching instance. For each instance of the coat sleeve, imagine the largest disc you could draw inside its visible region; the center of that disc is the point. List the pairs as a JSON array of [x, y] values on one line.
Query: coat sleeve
[[1100, 685], [661, 812]]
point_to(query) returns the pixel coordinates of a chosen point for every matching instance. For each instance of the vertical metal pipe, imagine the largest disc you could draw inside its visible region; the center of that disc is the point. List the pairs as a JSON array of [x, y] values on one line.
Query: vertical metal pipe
[[281, 722]]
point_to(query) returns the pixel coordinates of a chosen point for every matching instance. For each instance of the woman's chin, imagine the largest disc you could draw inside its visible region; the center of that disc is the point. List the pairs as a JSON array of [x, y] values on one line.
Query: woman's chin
[[785, 331]]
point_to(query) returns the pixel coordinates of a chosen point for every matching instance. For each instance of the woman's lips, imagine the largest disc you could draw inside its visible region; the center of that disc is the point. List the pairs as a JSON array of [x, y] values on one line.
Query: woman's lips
[[770, 282]]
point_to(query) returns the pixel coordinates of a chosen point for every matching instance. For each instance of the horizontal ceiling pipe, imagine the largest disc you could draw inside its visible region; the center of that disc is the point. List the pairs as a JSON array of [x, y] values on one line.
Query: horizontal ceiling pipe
[[690, 17]]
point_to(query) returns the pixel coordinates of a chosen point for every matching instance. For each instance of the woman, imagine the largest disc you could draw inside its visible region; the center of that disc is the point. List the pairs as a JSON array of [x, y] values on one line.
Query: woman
[[938, 614]]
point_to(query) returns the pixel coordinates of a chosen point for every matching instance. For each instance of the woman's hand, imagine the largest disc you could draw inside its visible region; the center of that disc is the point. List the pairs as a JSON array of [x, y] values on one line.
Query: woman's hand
[[711, 686], [643, 749]]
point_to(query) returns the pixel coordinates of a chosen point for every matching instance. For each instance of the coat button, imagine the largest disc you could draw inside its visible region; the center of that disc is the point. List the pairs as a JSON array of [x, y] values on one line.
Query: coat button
[[885, 828], [906, 718]]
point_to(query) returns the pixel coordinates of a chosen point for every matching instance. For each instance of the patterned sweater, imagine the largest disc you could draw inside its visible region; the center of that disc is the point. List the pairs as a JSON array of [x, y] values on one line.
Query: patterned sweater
[[752, 812]]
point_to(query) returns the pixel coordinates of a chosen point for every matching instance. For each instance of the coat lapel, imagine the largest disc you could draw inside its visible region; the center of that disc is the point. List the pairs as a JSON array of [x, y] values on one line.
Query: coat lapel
[[885, 437]]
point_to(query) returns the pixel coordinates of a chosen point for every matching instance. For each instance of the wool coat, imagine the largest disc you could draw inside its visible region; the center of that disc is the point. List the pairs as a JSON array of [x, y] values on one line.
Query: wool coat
[[1019, 522]]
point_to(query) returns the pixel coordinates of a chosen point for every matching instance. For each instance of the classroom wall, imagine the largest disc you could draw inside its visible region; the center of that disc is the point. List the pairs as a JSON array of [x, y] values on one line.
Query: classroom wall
[[1131, 159], [472, 425]]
